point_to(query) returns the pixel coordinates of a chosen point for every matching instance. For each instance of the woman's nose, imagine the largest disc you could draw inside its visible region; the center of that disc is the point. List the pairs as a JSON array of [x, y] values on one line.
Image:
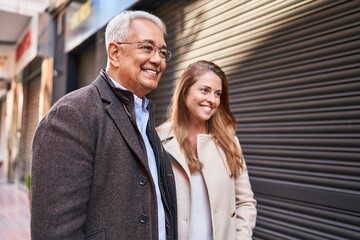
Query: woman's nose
[[211, 97]]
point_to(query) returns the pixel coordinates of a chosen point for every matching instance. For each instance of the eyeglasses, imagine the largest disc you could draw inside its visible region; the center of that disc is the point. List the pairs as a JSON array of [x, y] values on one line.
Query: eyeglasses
[[150, 49]]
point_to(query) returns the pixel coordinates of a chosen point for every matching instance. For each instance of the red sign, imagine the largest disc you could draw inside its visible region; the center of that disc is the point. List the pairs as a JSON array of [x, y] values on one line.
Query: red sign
[[23, 45]]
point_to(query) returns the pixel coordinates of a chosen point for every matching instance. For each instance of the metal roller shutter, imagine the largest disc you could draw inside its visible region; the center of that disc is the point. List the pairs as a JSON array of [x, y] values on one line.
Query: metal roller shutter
[[86, 64], [294, 72], [30, 119]]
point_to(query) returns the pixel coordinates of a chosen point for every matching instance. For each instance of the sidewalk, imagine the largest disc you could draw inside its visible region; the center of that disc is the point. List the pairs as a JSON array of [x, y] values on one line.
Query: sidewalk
[[14, 212]]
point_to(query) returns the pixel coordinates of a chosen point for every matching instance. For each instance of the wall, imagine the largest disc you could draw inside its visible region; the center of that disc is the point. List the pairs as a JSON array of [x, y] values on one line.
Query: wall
[[293, 68]]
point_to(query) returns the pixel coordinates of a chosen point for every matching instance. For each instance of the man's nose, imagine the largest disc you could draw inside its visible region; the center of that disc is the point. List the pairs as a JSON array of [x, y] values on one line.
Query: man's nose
[[156, 58]]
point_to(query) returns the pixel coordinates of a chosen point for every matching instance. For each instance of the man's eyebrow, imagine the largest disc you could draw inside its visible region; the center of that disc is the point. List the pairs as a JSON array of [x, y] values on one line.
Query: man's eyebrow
[[153, 42]]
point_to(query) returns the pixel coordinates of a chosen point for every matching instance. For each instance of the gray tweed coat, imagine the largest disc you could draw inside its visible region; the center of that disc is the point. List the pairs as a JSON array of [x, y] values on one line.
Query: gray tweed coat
[[90, 177]]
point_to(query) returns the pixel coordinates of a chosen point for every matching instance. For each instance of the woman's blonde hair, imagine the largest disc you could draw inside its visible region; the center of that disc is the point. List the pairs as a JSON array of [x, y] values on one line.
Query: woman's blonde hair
[[221, 125]]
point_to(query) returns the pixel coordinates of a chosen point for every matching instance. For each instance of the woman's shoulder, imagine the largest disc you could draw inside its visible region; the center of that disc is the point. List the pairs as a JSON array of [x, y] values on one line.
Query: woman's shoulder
[[165, 130]]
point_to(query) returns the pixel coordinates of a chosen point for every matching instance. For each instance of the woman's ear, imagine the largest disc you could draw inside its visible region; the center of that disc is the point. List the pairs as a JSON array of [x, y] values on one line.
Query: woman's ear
[[113, 53]]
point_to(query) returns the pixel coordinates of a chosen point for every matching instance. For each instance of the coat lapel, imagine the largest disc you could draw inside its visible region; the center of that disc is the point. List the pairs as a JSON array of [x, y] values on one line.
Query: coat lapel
[[173, 148], [127, 129], [121, 119], [171, 145]]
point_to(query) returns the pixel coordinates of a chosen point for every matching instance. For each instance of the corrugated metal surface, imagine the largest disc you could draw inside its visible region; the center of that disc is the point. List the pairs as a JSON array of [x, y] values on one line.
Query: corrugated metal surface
[[86, 64], [30, 120], [32, 113], [294, 71], [31, 82]]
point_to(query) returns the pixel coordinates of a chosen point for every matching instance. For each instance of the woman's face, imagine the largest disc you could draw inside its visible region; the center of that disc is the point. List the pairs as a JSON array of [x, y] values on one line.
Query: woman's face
[[203, 97]]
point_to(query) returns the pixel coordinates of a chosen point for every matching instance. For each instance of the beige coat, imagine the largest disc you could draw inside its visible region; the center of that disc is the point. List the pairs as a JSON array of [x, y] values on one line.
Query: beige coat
[[232, 204]]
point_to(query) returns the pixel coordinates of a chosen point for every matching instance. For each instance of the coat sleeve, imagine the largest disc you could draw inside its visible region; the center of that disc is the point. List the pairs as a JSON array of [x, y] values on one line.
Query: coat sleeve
[[245, 206], [61, 174]]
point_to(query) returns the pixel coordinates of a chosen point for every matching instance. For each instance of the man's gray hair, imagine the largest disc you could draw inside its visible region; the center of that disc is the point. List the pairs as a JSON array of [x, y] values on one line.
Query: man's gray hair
[[119, 26]]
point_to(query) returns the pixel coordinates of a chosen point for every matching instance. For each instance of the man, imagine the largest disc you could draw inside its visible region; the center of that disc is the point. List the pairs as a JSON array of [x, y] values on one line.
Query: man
[[99, 170]]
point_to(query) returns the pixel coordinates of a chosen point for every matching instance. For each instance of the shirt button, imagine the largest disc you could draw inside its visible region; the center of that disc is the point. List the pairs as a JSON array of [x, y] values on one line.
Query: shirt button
[[142, 180], [233, 214], [143, 218]]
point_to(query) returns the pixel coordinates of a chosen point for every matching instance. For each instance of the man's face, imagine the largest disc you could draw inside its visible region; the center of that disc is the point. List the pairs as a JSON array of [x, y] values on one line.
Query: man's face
[[139, 69]]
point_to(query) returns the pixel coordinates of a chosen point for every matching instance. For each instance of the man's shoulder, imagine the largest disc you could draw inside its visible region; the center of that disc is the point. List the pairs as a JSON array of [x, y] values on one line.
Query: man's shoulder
[[79, 95], [83, 100]]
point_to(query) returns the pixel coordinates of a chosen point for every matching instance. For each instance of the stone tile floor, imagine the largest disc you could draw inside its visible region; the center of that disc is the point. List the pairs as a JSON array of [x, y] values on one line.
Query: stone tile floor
[[14, 212]]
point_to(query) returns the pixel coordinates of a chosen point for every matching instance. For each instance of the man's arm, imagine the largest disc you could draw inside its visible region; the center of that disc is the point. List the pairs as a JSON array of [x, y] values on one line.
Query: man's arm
[[61, 175]]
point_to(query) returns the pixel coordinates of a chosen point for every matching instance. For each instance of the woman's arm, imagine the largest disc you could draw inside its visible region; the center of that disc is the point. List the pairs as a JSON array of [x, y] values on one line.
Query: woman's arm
[[245, 206]]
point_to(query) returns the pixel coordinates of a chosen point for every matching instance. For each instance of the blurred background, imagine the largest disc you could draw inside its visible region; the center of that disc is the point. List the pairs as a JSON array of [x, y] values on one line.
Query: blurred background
[[294, 72]]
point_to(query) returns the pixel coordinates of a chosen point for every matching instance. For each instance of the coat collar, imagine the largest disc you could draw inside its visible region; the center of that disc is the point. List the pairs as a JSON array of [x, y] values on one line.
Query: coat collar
[[169, 140], [205, 144]]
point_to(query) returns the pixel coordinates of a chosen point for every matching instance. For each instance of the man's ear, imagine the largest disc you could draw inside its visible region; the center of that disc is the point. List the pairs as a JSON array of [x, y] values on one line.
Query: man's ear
[[113, 53]]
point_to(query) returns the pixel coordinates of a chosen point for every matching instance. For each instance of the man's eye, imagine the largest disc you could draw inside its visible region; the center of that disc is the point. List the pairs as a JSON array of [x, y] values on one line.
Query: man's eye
[[147, 47], [163, 53]]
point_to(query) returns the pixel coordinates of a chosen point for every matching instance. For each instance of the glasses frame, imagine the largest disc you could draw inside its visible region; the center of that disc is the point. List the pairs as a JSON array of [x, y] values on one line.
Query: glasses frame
[[157, 49]]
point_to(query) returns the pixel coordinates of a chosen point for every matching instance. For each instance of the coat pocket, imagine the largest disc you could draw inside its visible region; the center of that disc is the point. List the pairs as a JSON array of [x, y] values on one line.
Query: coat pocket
[[98, 235]]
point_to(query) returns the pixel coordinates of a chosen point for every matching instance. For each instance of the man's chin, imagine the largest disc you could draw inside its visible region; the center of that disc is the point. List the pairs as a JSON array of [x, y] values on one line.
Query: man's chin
[[146, 89], [151, 85]]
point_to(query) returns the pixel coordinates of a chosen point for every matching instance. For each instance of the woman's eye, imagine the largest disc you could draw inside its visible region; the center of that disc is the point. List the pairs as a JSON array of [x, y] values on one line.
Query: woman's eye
[[203, 90]]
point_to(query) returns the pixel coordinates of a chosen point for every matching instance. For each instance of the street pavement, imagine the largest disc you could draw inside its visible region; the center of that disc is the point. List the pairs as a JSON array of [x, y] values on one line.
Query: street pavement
[[14, 211]]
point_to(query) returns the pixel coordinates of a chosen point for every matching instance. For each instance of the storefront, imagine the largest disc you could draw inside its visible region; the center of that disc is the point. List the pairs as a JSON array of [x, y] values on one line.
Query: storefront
[[27, 95]]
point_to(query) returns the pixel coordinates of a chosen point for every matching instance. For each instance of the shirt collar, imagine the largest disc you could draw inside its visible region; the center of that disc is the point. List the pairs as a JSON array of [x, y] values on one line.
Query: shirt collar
[[141, 101]]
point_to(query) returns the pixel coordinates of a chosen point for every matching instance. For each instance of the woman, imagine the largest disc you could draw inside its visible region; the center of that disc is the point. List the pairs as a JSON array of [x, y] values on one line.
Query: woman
[[214, 196]]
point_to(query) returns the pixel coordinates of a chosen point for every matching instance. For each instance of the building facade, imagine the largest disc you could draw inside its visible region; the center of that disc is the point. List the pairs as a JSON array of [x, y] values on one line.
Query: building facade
[[294, 73]]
